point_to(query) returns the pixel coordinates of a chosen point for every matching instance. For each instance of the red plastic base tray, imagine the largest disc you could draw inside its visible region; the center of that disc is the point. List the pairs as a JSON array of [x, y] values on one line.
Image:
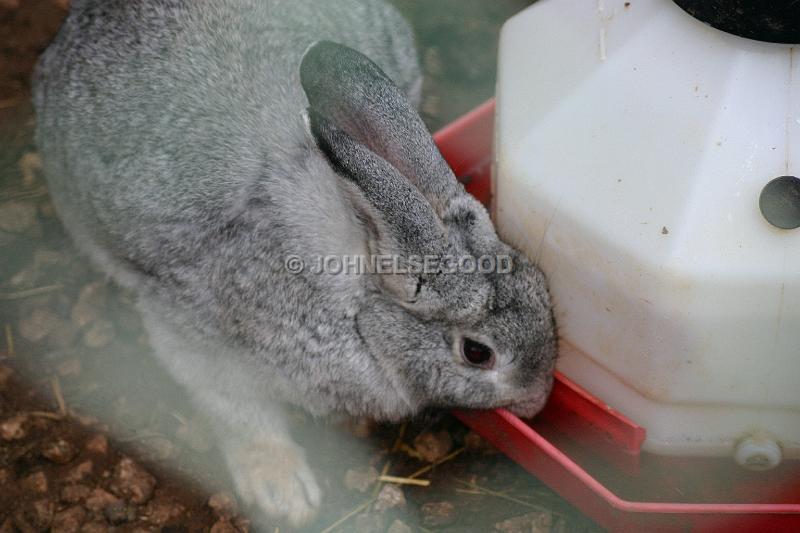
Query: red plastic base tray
[[591, 454]]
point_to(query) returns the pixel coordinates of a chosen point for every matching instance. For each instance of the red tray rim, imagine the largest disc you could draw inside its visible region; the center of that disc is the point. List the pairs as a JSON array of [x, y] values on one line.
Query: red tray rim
[[545, 446]]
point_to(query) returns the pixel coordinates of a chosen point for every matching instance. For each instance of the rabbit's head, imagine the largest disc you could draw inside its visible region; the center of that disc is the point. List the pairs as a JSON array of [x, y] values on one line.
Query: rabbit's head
[[458, 317]]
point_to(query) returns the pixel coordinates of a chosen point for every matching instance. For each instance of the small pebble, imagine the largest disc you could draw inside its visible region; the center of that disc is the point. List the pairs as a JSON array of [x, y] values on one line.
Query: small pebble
[[433, 446], [223, 504], [158, 449], [5, 375], [60, 452], [223, 526], [536, 522], [119, 512], [69, 520], [94, 527], [74, 493], [37, 271], [30, 164], [85, 420], [97, 444], [40, 423], [10, 5], [37, 325], [6, 476], [242, 524], [173, 529], [99, 499], [23, 279], [436, 514], [359, 427], [14, 427], [132, 482], [36, 482], [80, 472], [398, 526], [432, 59], [475, 443], [34, 516], [69, 368], [161, 512], [360, 478], [368, 523], [389, 497], [431, 105], [99, 334], [87, 308], [47, 210]]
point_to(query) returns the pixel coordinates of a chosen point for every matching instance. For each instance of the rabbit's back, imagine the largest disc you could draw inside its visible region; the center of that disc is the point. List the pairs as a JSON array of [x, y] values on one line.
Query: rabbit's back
[[162, 121]]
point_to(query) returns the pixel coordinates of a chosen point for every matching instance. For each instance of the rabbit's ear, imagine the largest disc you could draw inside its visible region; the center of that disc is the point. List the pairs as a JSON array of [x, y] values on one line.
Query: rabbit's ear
[[412, 226], [358, 98]]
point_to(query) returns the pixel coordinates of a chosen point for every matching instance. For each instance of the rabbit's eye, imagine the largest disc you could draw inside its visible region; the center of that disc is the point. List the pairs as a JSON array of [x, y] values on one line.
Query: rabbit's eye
[[477, 354]]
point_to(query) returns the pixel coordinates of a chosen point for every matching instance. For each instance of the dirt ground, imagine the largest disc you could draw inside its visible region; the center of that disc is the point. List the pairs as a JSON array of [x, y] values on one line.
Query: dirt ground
[[95, 437]]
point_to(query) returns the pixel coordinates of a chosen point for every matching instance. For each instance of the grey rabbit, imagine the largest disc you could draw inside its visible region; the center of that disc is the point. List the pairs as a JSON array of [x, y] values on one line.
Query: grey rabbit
[[192, 146]]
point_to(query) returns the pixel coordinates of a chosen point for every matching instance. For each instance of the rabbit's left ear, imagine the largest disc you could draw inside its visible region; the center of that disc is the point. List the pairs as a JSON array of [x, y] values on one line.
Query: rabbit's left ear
[[358, 98]]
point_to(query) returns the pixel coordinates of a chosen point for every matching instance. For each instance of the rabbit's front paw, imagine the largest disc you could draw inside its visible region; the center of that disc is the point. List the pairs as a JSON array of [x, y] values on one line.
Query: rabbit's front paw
[[273, 474]]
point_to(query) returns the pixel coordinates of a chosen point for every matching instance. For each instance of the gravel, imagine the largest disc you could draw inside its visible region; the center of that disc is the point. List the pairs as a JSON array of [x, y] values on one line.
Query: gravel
[[437, 514]]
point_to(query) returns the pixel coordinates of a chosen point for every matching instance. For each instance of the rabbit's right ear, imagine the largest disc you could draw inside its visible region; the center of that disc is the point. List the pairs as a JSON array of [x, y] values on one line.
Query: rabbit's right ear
[[359, 98], [403, 223], [412, 226]]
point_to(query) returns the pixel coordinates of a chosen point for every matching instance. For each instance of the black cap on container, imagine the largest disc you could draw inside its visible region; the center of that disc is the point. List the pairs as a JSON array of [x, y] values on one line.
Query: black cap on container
[[775, 21]]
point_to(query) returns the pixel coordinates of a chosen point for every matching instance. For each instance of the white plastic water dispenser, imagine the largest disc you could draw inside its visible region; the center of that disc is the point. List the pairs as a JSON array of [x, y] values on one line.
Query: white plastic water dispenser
[[634, 144]]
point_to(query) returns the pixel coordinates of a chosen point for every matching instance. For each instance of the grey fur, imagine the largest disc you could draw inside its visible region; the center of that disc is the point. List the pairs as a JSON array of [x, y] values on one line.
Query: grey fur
[[175, 146]]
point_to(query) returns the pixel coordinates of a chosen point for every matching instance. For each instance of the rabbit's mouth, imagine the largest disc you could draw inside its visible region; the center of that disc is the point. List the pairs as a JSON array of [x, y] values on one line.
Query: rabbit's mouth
[[528, 408], [529, 405]]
